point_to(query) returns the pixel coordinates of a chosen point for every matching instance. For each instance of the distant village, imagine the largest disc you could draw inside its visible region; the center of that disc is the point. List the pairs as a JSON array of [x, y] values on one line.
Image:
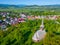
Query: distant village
[[7, 20]]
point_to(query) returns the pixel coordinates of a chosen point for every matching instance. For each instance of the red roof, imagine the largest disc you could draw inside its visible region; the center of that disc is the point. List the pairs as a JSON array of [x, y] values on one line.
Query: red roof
[[20, 19]]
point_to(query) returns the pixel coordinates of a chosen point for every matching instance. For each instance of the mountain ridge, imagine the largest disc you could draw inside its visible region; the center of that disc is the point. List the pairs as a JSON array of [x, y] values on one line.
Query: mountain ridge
[[33, 6]]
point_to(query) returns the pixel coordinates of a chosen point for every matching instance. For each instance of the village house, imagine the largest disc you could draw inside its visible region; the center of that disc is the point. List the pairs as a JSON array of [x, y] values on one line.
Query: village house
[[21, 20], [52, 17], [13, 21], [22, 15], [37, 17], [4, 14], [29, 17], [1, 21], [16, 19], [3, 25], [7, 20], [32, 17], [7, 13]]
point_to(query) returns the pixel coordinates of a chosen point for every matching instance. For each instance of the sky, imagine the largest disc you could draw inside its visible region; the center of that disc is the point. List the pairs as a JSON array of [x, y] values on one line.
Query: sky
[[30, 2]]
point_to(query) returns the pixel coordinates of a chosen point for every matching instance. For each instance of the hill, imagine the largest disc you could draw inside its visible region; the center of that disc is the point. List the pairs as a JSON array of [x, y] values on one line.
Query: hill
[[29, 6]]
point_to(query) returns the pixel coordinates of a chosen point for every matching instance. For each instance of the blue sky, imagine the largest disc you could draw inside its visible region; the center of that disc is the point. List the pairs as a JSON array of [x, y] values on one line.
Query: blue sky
[[30, 2]]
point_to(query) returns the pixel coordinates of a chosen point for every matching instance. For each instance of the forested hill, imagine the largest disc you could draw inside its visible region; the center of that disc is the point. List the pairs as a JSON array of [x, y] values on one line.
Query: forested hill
[[11, 6], [29, 6]]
